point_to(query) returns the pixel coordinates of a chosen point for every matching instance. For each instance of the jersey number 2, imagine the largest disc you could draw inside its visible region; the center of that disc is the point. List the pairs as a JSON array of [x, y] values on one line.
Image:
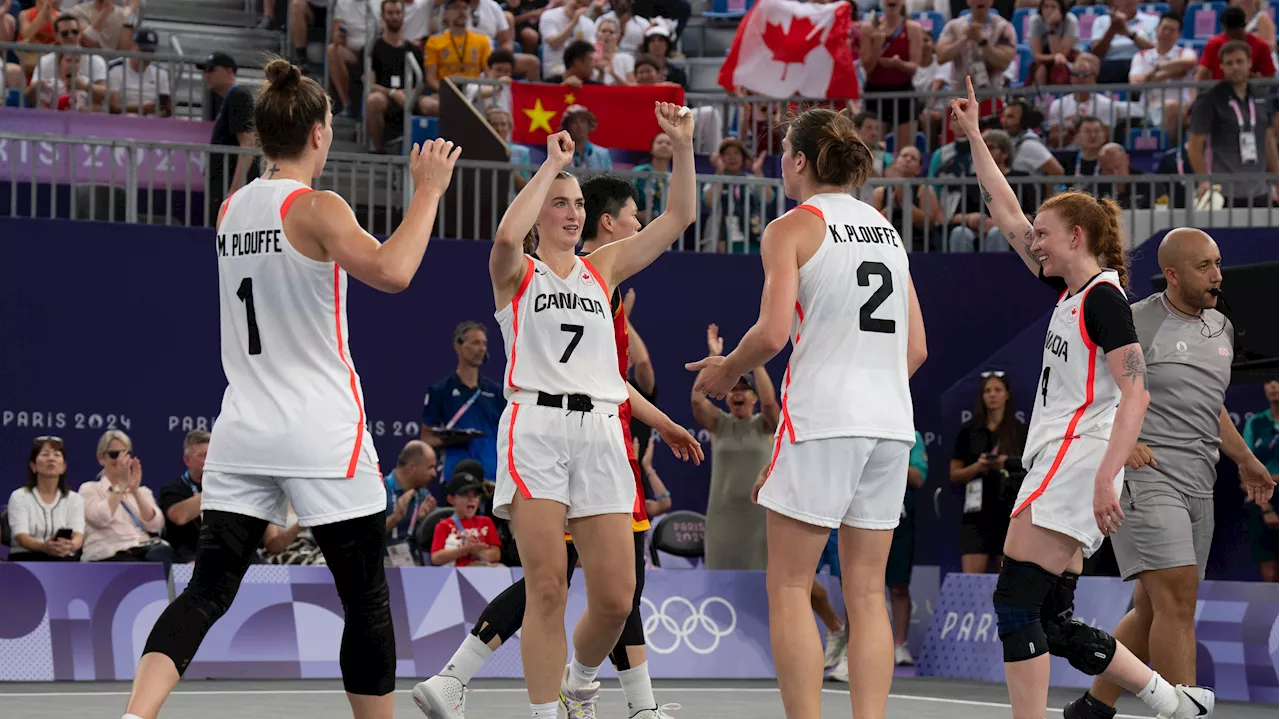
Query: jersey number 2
[[866, 322], [245, 293], [577, 331]]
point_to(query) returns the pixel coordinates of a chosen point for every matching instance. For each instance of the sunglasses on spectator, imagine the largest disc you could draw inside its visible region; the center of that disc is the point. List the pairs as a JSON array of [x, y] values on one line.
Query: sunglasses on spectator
[[68, 33], [992, 373], [113, 453]]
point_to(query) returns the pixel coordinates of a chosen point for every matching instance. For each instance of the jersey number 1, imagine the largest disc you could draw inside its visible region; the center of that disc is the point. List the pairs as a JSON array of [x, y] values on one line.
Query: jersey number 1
[[866, 322], [245, 293]]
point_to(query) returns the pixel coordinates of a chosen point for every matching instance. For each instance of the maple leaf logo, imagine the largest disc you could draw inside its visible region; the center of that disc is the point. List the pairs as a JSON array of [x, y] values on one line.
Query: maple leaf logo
[[790, 47]]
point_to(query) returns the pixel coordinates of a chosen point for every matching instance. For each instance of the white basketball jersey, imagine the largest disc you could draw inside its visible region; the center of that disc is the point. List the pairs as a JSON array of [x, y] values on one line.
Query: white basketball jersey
[[559, 335], [1077, 396], [848, 371], [293, 405]]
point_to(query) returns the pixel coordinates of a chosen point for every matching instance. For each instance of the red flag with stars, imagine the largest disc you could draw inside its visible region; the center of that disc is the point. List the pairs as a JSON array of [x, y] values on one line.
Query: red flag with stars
[[785, 48], [624, 114]]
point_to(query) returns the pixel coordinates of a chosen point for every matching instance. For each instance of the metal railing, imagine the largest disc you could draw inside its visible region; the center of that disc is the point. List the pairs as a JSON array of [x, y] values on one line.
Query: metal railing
[[186, 94], [179, 184]]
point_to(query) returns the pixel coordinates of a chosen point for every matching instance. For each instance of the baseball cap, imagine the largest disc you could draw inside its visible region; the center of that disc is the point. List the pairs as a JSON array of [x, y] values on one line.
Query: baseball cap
[[461, 482], [146, 39], [470, 467], [749, 380], [218, 59]]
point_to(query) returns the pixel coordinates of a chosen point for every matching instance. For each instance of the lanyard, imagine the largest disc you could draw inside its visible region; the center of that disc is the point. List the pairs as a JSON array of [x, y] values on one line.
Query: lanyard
[[186, 477], [463, 410], [896, 34], [462, 54], [1096, 166], [136, 521], [1253, 114]]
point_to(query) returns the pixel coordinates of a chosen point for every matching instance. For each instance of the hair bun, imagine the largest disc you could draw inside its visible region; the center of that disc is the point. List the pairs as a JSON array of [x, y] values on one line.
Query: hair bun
[[281, 73]]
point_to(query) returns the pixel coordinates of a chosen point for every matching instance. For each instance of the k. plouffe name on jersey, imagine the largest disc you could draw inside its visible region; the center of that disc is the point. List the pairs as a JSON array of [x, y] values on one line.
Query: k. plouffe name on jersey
[[869, 234], [567, 301], [257, 242]]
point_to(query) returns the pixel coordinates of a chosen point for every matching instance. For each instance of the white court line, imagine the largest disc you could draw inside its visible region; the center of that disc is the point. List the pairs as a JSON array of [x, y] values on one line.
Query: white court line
[[503, 690]]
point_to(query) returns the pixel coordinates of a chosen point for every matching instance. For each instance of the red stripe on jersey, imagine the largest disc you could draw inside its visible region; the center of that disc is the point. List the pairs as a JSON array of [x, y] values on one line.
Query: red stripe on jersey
[[288, 201], [777, 449], [351, 373], [1070, 434], [814, 210], [515, 320], [591, 268], [786, 384], [620, 336], [223, 212], [511, 453], [638, 513]]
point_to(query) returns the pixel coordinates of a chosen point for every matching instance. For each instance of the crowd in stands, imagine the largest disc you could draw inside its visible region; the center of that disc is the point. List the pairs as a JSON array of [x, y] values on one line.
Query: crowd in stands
[[1009, 49]]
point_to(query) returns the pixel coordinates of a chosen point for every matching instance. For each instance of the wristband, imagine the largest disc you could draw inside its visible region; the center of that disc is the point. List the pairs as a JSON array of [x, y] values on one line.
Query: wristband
[[664, 495]]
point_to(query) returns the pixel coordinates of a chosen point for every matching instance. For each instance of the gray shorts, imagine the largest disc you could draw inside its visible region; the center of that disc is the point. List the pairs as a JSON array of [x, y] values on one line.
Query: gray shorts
[[1162, 528]]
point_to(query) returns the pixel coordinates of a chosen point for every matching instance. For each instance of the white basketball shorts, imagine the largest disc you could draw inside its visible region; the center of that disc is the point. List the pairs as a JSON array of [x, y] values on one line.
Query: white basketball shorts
[[1058, 489], [858, 481], [578, 459], [316, 501]]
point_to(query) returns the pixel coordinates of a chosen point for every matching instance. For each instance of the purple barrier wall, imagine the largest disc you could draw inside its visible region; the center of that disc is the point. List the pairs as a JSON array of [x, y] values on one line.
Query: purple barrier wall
[[99, 164], [115, 325], [1234, 623], [90, 622]]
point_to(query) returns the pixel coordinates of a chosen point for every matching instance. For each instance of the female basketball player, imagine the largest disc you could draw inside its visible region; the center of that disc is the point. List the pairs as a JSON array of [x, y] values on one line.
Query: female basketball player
[[292, 427], [1083, 428], [844, 444], [560, 448], [610, 206]]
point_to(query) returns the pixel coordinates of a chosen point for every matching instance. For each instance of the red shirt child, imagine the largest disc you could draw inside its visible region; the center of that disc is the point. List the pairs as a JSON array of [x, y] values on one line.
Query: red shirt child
[[476, 540]]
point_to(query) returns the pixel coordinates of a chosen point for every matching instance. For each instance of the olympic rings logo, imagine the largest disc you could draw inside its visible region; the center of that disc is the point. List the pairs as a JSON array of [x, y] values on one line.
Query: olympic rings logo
[[684, 630]]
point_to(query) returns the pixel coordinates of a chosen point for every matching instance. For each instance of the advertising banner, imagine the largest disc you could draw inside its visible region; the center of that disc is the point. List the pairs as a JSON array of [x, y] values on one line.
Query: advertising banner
[[1234, 625], [101, 164]]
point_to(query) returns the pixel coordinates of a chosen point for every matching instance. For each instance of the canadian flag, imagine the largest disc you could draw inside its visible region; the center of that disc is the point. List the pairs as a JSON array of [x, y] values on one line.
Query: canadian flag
[[785, 48]]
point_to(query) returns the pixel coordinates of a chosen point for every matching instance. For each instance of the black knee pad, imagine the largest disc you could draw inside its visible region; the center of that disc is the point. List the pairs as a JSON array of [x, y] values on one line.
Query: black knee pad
[[633, 630], [353, 551], [502, 617], [1087, 649], [1020, 594]]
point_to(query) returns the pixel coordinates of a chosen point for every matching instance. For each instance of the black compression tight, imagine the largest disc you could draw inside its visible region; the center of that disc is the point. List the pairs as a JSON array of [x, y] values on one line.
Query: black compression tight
[[504, 616]]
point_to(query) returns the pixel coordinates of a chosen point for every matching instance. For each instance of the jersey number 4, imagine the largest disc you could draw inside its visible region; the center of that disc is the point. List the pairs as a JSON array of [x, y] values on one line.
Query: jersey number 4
[[245, 293], [866, 322]]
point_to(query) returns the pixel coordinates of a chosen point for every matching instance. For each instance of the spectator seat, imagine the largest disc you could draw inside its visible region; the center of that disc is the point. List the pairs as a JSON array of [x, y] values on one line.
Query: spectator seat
[[13, 98], [1196, 45], [681, 533], [1146, 139], [891, 143], [1022, 22], [1203, 20], [1022, 65], [1086, 14], [932, 21], [426, 531], [425, 129], [728, 9], [1154, 8], [1273, 8]]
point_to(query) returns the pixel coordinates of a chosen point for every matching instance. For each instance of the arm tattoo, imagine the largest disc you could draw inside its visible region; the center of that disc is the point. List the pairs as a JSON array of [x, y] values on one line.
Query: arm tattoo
[[1135, 366], [986, 196], [1026, 245]]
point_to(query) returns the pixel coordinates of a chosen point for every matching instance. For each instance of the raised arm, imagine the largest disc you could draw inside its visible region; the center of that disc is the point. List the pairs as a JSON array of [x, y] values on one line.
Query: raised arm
[[1001, 200], [389, 266], [506, 259], [617, 261], [705, 413], [770, 333]]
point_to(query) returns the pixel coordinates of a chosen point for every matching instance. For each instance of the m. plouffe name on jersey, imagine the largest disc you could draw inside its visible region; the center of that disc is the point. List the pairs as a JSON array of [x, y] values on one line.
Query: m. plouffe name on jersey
[[258, 242]]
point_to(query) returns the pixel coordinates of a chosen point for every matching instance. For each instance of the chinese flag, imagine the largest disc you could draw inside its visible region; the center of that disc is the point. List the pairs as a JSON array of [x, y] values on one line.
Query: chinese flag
[[624, 114], [785, 48]]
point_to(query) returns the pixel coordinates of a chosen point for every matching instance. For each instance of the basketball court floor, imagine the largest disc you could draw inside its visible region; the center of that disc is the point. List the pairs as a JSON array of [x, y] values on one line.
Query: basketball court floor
[[912, 698]]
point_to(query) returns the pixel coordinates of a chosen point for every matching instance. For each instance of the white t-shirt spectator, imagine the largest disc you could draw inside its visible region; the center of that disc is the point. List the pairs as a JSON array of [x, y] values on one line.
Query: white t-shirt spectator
[[1068, 109], [1144, 62], [29, 514], [500, 99], [1029, 153], [925, 77], [417, 19], [632, 34], [361, 20], [971, 61], [552, 23], [137, 88], [109, 37], [91, 67], [488, 19], [622, 64], [1122, 48]]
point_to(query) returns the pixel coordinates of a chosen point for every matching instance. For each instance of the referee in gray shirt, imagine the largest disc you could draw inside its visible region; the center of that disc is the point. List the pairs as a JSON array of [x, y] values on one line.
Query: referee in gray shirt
[[1168, 490]]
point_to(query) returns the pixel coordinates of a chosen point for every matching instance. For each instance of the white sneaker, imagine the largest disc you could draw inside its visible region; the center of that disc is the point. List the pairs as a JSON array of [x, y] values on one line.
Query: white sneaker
[[1193, 702], [576, 703], [902, 656], [441, 697], [836, 643], [659, 713], [841, 672]]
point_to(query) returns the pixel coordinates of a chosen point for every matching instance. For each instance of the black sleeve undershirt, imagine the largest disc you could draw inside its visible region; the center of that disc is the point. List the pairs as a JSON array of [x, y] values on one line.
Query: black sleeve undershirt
[[1108, 318]]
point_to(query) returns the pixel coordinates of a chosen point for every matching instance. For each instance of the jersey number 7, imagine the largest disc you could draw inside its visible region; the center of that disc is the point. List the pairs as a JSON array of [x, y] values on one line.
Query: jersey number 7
[[576, 331]]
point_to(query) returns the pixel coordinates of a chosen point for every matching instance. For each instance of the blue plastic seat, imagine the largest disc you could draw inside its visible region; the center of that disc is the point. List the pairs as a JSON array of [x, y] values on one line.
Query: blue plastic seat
[[1022, 22], [1086, 14], [932, 21], [1203, 20]]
